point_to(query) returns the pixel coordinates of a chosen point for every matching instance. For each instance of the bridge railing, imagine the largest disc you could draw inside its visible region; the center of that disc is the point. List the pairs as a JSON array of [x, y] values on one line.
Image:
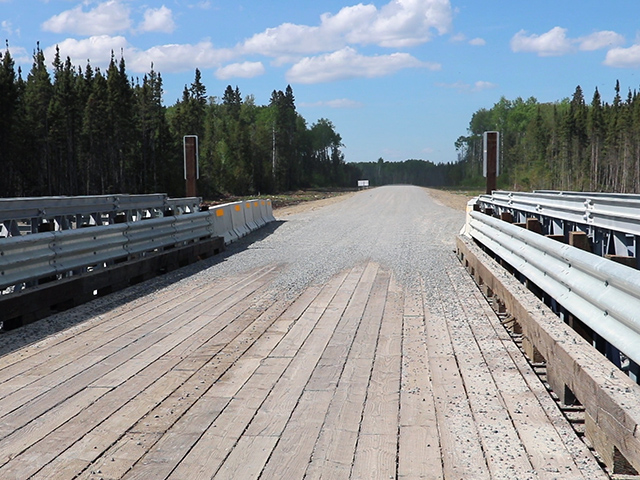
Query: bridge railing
[[595, 298], [29, 260], [603, 294], [28, 215], [611, 221]]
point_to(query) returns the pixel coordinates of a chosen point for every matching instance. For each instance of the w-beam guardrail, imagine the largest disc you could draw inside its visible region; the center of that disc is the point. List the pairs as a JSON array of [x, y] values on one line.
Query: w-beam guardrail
[[602, 294], [612, 221], [30, 214], [27, 259]]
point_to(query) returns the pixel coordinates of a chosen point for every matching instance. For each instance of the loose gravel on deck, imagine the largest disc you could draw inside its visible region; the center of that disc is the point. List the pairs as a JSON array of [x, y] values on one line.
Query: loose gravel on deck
[[400, 227]]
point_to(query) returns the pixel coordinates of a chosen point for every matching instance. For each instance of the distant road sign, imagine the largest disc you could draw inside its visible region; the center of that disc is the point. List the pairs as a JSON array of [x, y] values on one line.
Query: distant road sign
[[363, 183]]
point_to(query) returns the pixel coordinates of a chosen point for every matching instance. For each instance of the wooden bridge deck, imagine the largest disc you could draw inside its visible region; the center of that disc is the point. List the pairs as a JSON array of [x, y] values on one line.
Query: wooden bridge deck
[[352, 379]]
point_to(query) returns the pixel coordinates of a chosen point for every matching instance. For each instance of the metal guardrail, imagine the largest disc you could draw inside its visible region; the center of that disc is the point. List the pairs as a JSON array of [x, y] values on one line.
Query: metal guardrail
[[612, 221], [26, 215], [602, 294], [27, 259], [607, 211]]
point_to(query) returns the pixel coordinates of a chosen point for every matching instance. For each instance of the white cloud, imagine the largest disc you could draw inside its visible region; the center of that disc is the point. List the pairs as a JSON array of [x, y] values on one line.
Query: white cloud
[[400, 23], [288, 39], [203, 5], [623, 57], [481, 85], [477, 42], [555, 42], [158, 20], [241, 70], [165, 58], [552, 43], [598, 40], [180, 57], [337, 103], [107, 18], [347, 63], [7, 27], [467, 87], [97, 49]]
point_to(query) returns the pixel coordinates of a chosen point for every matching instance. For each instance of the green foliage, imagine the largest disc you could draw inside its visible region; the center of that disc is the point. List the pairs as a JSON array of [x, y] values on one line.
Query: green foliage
[[415, 172], [80, 133], [566, 145]]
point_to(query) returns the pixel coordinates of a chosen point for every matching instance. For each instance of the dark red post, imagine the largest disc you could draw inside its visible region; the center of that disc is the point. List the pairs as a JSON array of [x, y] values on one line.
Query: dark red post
[[491, 149], [191, 170]]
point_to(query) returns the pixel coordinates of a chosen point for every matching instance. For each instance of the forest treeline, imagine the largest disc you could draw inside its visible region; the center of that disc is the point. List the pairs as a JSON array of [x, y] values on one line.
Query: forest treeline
[[81, 131], [571, 144], [413, 172]]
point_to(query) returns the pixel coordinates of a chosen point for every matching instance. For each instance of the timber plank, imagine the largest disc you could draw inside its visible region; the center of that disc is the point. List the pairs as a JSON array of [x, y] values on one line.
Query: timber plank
[[238, 465], [114, 466], [195, 397], [218, 440], [134, 313], [248, 361], [375, 457], [419, 453], [293, 452], [335, 449], [75, 459], [171, 361], [544, 445], [462, 456], [304, 324], [276, 410], [383, 395], [13, 445], [475, 345], [98, 363], [160, 367], [290, 457], [583, 458]]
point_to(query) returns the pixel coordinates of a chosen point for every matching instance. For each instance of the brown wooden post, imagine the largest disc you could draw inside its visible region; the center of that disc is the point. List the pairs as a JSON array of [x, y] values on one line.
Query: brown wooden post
[[191, 168], [491, 150]]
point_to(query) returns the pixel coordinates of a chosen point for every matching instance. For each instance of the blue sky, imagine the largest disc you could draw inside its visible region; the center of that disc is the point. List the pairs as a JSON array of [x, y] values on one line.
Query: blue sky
[[399, 79]]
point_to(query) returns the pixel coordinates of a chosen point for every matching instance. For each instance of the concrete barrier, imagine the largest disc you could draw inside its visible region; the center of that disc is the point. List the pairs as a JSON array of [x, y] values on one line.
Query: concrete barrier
[[222, 224], [235, 220], [238, 219], [269, 213], [249, 215], [257, 213]]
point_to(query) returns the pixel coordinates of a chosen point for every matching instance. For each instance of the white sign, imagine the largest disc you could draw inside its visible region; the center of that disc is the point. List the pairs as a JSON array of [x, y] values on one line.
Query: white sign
[[363, 183]]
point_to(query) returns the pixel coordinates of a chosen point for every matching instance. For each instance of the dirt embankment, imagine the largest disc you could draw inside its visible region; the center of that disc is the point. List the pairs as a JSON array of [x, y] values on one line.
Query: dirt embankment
[[455, 200]]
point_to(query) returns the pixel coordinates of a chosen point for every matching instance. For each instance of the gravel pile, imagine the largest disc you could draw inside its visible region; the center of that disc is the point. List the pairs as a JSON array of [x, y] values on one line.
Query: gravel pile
[[400, 227]]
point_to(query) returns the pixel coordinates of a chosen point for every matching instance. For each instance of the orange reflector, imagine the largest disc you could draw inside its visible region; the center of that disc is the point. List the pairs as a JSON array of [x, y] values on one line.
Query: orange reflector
[[220, 213]]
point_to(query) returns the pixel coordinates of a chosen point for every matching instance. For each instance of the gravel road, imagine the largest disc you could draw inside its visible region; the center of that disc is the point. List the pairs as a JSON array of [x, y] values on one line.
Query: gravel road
[[400, 227]]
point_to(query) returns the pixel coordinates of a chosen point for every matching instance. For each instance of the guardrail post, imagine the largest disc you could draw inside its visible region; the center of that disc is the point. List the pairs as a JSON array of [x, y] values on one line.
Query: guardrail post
[[579, 240], [506, 217], [534, 225]]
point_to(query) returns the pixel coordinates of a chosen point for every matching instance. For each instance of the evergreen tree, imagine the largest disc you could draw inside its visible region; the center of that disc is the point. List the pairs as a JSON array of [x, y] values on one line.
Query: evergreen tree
[[63, 129], [9, 125], [37, 167]]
